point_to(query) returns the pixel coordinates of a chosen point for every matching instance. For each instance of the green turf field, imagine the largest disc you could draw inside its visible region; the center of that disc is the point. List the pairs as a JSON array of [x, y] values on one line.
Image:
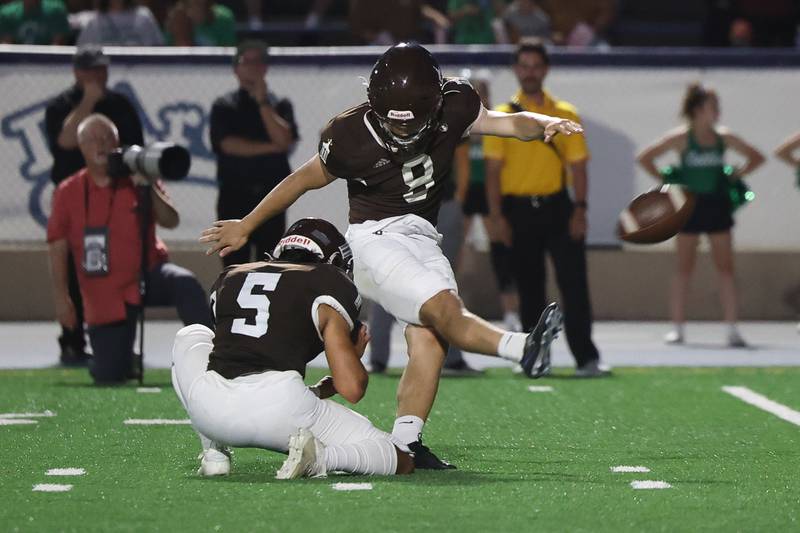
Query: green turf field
[[527, 461]]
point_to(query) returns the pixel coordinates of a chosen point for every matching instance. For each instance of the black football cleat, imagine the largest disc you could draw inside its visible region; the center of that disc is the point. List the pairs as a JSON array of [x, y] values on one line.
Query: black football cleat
[[425, 459], [536, 358]]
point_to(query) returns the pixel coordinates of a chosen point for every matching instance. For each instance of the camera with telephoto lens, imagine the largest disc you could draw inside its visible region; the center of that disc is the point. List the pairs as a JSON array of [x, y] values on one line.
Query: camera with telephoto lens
[[163, 160]]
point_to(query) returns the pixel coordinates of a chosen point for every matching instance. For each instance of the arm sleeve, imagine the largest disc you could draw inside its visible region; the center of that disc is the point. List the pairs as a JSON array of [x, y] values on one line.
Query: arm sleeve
[[130, 129], [58, 223], [330, 152], [462, 104], [337, 291], [220, 124], [54, 117], [286, 112]]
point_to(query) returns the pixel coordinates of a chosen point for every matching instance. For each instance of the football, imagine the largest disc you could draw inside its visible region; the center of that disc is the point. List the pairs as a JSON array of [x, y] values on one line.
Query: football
[[656, 215]]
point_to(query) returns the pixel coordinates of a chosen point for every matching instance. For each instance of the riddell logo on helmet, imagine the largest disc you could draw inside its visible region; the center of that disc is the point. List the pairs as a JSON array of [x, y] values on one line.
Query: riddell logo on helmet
[[400, 115], [297, 239]]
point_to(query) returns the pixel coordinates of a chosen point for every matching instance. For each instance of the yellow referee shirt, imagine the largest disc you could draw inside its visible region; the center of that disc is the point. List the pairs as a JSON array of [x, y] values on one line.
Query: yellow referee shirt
[[531, 168]]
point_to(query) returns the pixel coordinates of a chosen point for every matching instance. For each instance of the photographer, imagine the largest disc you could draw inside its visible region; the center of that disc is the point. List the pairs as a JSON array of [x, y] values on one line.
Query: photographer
[[95, 218]]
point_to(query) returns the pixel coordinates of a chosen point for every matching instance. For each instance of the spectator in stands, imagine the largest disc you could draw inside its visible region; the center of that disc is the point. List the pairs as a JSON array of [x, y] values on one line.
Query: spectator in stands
[[95, 219], [472, 21], [469, 166], [774, 22], [526, 19], [200, 23], [393, 21], [34, 22], [121, 23], [701, 146], [88, 95], [581, 23], [531, 207], [252, 133]]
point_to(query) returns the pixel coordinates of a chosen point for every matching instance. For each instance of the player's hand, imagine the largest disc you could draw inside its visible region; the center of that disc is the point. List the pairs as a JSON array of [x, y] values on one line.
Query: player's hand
[[324, 388], [563, 126], [225, 236], [65, 312], [362, 340], [578, 225], [499, 229]]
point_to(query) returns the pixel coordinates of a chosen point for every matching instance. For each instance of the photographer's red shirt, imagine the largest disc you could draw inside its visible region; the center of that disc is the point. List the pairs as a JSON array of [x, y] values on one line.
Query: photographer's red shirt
[[104, 298]]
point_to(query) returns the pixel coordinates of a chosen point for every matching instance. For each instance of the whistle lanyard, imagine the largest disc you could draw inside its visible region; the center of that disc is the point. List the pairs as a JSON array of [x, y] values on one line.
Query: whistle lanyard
[[86, 202]]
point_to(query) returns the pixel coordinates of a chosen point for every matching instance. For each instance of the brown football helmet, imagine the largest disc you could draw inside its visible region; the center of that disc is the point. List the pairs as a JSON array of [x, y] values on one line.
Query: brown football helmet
[[405, 96], [318, 238]]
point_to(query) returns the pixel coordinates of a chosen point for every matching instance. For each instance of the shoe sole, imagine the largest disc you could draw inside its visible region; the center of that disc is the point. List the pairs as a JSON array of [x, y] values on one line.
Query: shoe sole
[[550, 324], [301, 445]]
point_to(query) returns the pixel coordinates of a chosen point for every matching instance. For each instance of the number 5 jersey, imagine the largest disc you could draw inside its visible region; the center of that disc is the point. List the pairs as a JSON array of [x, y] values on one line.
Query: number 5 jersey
[[266, 315], [379, 185]]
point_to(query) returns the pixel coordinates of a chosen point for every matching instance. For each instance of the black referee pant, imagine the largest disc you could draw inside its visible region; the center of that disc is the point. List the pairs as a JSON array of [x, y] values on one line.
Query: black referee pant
[[540, 225], [237, 204]]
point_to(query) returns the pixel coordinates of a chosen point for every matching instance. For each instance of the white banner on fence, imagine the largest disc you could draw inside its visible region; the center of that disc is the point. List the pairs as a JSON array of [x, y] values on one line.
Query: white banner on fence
[[622, 109]]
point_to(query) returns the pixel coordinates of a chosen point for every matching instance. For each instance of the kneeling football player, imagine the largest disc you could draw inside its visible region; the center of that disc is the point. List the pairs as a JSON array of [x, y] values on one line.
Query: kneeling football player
[[243, 384]]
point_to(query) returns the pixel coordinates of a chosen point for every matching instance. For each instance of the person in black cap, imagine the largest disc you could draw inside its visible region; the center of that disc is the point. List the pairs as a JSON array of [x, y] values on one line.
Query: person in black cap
[[252, 133], [88, 95]]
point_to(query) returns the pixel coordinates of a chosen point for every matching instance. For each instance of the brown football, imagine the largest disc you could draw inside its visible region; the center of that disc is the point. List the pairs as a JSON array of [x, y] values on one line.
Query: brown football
[[656, 215]]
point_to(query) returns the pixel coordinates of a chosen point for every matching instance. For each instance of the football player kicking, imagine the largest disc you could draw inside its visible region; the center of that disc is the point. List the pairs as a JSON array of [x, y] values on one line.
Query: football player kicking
[[243, 385], [395, 152]]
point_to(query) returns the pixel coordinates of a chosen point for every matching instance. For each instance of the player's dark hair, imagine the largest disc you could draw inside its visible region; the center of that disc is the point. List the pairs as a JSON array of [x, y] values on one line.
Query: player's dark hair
[[696, 96], [532, 45]]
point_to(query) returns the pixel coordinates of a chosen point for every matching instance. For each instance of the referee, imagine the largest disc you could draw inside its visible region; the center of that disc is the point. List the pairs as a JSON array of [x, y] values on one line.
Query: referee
[[530, 208]]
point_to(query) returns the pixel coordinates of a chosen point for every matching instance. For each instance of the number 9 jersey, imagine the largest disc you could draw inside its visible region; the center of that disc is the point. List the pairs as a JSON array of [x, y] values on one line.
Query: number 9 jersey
[[266, 315], [379, 184]]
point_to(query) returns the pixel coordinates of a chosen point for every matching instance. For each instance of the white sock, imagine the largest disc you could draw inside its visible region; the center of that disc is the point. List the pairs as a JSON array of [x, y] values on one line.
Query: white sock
[[372, 456], [408, 428], [678, 328], [512, 346], [733, 330]]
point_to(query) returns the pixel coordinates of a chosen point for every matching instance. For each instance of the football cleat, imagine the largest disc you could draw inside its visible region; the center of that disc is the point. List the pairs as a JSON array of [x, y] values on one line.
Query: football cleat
[[593, 369], [304, 449], [215, 462], [425, 459], [535, 361]]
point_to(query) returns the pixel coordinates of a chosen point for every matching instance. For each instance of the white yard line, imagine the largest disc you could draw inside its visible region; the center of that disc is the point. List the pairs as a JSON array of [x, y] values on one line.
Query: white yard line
[[156, 422], [16, 422], [540, 388], [652, 485], [352, 486], [51, 487], [764, 403], [44, 414], [148, 390], [639, 469], [65, 472]]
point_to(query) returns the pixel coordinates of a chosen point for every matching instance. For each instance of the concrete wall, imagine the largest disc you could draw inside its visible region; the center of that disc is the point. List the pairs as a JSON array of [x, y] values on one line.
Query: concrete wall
[[625, 284]]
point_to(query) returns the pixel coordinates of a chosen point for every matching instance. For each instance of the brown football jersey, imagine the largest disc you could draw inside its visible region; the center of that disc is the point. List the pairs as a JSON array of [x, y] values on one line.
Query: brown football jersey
[[265, 315], [379, 187]]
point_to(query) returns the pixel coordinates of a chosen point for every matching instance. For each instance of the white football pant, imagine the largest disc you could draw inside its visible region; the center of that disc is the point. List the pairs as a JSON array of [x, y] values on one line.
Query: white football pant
[[263, 410], [398, 263]]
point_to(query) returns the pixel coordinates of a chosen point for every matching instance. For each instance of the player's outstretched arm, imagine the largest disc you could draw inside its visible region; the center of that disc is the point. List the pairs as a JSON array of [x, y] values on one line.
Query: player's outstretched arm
[[350, 378], [525, 125], [226, 236]]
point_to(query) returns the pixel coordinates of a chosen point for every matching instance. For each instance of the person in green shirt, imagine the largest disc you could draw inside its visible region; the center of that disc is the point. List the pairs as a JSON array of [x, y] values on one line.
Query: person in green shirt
[[701, 146], [472, 21], [200, 23], [34, 22]]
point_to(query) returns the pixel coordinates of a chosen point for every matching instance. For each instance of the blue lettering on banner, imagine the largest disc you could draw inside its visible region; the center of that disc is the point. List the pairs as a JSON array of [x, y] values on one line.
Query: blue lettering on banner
[[182, 122]]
